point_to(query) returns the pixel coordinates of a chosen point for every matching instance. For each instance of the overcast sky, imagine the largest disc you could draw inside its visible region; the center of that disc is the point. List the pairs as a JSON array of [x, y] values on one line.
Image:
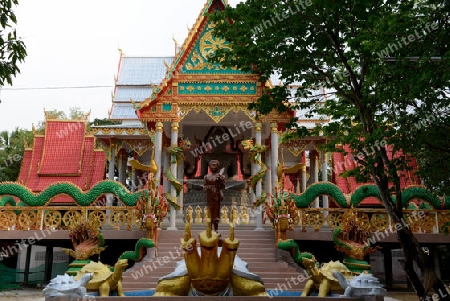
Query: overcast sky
[[75, 44]]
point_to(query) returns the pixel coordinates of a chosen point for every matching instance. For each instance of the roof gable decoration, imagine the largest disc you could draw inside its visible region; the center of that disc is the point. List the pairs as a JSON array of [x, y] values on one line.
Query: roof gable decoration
[[191, 74], [212, 4], [197, 61], [186, 48]]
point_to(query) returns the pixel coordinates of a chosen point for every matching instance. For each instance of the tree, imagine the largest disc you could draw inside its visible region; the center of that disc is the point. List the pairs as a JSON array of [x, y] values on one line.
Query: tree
[[12, 49], [384, 63], [104, 121], [429, 141], [12, 146]]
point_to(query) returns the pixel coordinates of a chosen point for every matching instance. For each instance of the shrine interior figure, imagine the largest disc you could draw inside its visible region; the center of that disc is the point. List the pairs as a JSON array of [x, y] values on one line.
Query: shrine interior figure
[[225, 151]]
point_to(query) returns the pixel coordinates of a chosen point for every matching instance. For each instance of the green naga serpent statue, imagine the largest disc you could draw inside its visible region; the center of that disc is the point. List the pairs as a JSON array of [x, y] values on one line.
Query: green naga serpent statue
[[82, 198], [177, 157], [255, 156]]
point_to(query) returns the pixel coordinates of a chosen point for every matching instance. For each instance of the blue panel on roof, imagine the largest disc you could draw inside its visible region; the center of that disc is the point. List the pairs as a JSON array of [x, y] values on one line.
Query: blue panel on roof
[[123, 111], [167, 107], [142, 70], [138, 94]]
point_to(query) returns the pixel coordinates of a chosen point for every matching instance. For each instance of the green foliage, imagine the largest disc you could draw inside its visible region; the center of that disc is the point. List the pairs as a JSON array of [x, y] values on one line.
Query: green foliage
[[12, 146], [429, 142], [376, 59], [75, 114], [385, 66], [104, 121], [12, 49]]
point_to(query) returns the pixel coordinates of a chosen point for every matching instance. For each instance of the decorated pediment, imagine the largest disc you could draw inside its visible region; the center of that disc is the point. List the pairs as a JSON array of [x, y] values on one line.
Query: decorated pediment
[[198, 61], [192, 80]]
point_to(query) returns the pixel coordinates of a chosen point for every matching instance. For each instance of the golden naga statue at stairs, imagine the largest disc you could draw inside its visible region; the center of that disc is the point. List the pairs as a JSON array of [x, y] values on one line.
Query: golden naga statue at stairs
[[212, 269]]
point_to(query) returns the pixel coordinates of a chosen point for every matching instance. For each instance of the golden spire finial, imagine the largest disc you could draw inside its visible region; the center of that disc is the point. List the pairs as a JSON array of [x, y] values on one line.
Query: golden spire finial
[[175, 41], [208, 223], [231, 231], [187, 231]]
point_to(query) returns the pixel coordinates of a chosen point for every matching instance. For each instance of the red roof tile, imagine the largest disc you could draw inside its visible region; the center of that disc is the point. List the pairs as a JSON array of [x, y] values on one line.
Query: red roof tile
[[342, 163], [25, 167], [64, 154], [33, 178], [99, 165], [63, 148]]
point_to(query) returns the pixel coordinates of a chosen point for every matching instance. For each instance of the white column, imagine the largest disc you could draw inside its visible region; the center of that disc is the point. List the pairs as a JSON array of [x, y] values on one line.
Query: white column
[[173, 169], [324, 161], [303, 178], [158, 151], [274, 154], [180, 173], [123, 166], [166, 163], [134, 182], [314, 171], [180, 176], [256, 168], [268, 179], [112, 159]]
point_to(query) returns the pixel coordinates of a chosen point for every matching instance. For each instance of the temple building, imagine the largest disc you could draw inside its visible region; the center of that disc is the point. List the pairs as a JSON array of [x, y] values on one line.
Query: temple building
[[173, 115], [65, 152], [163, 101]]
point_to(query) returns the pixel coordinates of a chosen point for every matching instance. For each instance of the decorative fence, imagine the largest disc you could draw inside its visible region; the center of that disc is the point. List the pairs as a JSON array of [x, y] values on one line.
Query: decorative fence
[[60, 217], [128, 218]]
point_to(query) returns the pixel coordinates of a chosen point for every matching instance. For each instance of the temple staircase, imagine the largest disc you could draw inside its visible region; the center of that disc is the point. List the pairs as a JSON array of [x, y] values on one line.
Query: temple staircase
[[257, 248]]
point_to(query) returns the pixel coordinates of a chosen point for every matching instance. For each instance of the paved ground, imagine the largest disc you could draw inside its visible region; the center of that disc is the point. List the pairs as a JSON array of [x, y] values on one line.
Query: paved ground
[[24, 294], [27, 294], [394, 296]]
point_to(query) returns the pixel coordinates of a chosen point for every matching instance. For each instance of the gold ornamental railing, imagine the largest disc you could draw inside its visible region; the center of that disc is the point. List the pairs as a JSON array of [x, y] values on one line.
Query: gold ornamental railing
[[128, 218], [60, 217], [419, 221], [317, 219]]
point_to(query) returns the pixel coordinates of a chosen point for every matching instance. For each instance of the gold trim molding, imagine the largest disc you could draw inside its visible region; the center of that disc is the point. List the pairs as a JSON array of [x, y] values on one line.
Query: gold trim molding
[[140, 146], [119, 131]]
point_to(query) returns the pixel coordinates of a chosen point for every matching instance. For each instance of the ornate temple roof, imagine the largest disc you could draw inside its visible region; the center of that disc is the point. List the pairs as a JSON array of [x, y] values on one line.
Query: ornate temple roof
[[63, 153], [136, 79], [192, 82], [144, 71]]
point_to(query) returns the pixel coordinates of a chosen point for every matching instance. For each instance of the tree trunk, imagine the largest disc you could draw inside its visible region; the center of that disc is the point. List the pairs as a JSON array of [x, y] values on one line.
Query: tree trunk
[[412, 250]]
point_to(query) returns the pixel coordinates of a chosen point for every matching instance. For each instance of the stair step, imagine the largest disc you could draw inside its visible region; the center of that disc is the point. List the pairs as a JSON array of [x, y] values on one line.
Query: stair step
[[176, 249], [245, 240], [256, 248], [263, 266], [150, 270]]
